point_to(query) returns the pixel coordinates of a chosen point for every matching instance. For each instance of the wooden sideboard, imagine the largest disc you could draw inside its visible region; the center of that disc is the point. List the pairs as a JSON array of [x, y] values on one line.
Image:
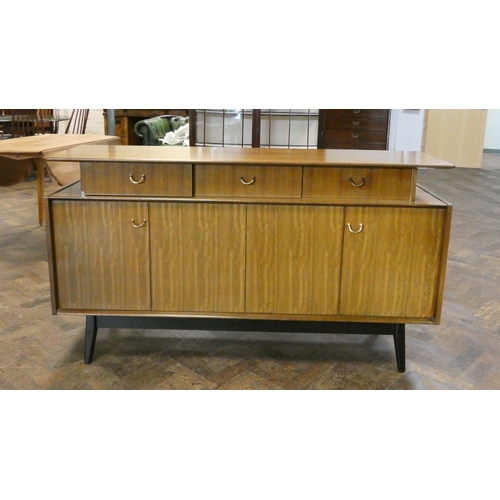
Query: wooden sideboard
[[242, 238]]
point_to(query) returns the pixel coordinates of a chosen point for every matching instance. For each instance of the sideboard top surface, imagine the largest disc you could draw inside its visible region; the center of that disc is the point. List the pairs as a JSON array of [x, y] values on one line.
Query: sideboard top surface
[[250, 156]]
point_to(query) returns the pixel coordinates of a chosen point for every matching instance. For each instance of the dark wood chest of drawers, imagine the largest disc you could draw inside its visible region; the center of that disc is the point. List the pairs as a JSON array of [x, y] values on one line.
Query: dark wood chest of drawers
[[353, 128]]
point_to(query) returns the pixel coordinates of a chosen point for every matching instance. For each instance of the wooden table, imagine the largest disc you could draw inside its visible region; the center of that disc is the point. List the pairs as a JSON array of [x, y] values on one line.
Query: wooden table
[[37, 147]]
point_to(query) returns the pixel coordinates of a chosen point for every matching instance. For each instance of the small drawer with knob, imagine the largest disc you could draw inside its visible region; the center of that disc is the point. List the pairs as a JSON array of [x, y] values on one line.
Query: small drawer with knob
[[247, 181], [130, 179], [360, 183]]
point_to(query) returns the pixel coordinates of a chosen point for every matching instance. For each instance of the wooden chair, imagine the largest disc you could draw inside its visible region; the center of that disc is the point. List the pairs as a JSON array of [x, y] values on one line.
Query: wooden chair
[[78, 121], [45, 123], [64, 173], [23, 123]]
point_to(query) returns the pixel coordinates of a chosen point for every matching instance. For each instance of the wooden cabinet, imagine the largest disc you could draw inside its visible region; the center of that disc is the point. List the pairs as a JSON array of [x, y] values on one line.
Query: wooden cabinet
[[353, 129], [279, 235]]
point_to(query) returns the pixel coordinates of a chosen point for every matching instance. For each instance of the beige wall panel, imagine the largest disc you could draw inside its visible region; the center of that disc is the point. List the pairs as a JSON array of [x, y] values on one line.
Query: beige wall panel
[[455, 135]]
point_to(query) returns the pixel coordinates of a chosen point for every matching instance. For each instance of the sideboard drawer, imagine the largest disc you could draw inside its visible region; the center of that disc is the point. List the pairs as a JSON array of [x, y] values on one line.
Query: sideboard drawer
[[247, 181], [365, 183], [355, 122], [145, 179], [360, 113], [357, 135]]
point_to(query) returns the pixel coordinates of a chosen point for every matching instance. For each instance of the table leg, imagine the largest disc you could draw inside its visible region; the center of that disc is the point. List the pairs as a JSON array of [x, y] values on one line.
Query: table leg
[[40, 178]]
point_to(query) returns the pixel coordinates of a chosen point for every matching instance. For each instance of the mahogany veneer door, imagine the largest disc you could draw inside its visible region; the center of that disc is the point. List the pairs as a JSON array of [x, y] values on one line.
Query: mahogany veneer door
[[293, 259], [391, 267], [101, 259], [198, 257]]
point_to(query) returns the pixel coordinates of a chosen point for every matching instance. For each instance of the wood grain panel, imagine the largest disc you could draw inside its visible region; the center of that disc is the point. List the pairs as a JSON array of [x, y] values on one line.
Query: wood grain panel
[[101, 260], [379, 184], [425, 263], [225, 180], [391, 267], [455, 135], [293, 259], [270, 157], [198, 257], [114, 178]]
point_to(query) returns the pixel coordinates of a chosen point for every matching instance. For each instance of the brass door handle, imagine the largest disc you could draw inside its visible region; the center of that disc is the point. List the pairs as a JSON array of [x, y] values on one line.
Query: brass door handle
[[140, 181], [362, 183], [352, 230], [142, 224], [247, 183]]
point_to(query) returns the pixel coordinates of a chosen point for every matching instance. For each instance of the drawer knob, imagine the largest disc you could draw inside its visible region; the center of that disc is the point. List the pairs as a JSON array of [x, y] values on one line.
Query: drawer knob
[[140, 181], [142, 224], [355, 122], [352, 230], [362, 183], [355, 136], [248, 183]]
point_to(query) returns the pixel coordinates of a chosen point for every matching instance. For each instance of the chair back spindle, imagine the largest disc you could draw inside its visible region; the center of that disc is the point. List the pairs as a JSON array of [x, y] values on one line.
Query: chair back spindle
[[78, 121]]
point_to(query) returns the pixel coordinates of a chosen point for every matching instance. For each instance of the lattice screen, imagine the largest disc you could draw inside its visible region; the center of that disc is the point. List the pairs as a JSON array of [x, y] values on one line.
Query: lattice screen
[[269, 128]]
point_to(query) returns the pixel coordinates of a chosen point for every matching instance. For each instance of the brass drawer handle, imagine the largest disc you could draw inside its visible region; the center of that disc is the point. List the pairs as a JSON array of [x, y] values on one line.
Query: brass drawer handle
[[355, 122], [362, 183], [140, 181], [352, 230], [355, 136], [243, 181], [142, 224]]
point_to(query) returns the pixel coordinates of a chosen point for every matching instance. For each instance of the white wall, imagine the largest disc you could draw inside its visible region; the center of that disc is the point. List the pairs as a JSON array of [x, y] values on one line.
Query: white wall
[[492, 135], [405, 129], [95, 123]]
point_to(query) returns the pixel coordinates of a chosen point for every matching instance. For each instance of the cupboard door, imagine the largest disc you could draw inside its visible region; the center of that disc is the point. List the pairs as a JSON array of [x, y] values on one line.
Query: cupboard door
[[198, 257], [293, 259], [391, 261], [101, 259]]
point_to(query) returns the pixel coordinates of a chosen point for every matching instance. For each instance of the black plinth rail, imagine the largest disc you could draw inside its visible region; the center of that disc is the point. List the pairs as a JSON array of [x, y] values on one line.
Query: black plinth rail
[[93, 323]]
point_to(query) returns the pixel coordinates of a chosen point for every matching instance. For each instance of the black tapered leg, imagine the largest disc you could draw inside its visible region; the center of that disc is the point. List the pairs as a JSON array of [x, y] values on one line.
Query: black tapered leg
[[400, 346], [90, 336]]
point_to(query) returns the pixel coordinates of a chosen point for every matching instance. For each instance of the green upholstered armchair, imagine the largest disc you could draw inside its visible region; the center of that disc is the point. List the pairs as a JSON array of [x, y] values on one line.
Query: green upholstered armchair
[[153, 130]]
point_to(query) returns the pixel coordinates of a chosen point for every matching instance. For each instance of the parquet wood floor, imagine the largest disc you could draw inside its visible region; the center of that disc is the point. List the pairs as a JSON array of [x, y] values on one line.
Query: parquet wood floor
[[41, 351]]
